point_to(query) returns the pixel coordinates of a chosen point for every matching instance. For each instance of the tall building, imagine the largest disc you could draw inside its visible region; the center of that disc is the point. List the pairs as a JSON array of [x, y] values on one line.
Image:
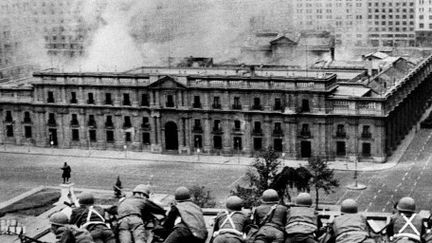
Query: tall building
[[423, 22], [391, 22], [345, 18], [218, 110]]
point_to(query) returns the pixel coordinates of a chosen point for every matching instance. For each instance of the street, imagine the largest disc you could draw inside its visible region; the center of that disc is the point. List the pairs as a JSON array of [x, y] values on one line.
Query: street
[[411, 177]]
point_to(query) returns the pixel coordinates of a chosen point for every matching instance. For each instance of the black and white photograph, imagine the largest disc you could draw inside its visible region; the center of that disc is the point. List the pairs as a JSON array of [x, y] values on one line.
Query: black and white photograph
[[215, 121]]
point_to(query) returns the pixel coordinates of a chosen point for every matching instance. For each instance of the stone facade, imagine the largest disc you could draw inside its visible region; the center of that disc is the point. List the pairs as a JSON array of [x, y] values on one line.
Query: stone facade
[[212, 110]]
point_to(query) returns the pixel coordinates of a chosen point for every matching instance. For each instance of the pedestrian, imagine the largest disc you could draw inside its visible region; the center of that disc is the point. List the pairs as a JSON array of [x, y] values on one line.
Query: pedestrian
[[185, 221], [231, 224], [92, 218], [405, 225], [302, 221], [131, 211], [66, 173], [66, 233], [271, 216], [350, 226]]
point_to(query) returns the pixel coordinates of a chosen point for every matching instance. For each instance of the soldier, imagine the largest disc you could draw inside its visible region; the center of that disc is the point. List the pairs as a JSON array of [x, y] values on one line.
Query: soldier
[[92, 218], [131, 212], [231, 225], [350, 226], [405, 225], [185, 220], [302, 221], [271, 217], [66, 233], [66, 173]]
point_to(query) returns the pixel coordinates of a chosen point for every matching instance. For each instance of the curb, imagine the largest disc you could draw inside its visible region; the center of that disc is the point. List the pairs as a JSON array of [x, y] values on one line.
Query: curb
[[21, 196]]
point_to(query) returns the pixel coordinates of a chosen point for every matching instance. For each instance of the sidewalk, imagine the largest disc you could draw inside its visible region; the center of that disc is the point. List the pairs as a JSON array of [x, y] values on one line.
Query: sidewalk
[[205, 159]]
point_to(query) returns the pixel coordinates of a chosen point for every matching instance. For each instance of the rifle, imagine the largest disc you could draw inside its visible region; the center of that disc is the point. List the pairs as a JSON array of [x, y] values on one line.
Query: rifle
[[27, 239]]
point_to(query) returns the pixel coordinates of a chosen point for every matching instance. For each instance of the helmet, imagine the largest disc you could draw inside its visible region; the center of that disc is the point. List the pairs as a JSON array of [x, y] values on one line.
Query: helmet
[[304, 200], [86, 198], [141, 188], [270, 196], [406, 204], [59, 219], [182, 193], [349, 206], [234, 203]]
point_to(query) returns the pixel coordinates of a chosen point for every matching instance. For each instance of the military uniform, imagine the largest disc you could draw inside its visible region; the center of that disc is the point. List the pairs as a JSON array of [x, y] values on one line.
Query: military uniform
[[273, 229], [301, 225], [228, 232], [70, 233], [405, 228], [350, 228]]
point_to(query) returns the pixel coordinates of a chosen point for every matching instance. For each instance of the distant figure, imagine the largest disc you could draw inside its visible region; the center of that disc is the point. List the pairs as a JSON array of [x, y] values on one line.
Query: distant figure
[[66, 173]]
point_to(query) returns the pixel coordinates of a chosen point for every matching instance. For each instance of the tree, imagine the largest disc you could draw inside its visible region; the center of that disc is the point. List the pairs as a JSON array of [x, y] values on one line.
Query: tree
[[202, 197], [260, 174], [322, 177]]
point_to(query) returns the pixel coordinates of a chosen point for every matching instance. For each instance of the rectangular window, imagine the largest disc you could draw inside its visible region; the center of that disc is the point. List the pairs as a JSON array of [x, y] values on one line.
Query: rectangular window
[[145, 123], [128, 137], [238, 143], [110, 136], [198, 141], [257, 144], [73, 99], [9, 131], [51, 119], [170, 101], [75, 134], [74, 120], [92, 135], [236, 105], [28, 131], [340, 149], [27, 118], [108, 122], [146, 138], [92, 121], [50, 98], [217, 126], [256, 104], [90, 98], [366, 149], [127, 122], [237, 125], [366, 132], [144, 100], [257, 127], [126, 99], [8, 116], [108, 99], [277, 145], [197, 126], [277, 104], [277, 128], [305, 105], [197, 102], [217, 142], [216, 103]]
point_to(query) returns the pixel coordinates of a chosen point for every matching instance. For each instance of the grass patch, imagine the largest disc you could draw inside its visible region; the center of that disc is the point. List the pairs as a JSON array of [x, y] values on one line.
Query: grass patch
[[34, 204]]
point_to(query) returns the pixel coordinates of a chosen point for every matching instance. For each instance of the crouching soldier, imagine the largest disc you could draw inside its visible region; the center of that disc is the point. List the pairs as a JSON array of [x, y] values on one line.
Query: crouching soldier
[[302, 221], [185, 220], [405, 225], [131, 212], [92, 218], [230, 225], [350, 226], [66, 233], [271, 216]]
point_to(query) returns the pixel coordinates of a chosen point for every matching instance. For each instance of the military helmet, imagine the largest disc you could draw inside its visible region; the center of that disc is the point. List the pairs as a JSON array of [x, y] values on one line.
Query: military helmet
[[141, 188], [234, 203], [86, 198], [270, 196], [304, 200], [406, 204], [59, 219], [182, 193], [349, 206]]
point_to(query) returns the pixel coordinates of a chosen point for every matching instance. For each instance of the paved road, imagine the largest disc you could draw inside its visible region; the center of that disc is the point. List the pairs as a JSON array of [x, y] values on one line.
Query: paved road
[[412, 176]]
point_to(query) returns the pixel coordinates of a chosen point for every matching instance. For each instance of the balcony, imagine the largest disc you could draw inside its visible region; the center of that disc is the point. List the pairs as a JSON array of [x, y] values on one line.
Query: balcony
[[257, 107], [278, 132], [27, 121], [257, 132], [366, 135], [74, 123], [237, 130], [305, 134], [217, 130], [52, 123], [217, 106], [236, 107], [341, 134], [109, 125], [196, 105], [277, 108], [108, 102], [127, 125], [145, 126], [197, 129], [90, 102], [91, 124], [169, 104], [73, 101]]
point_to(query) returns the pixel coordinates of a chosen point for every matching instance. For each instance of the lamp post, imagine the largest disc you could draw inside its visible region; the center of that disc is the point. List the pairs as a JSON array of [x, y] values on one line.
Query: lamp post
[[355, 185], [125, 149], [237, 145]]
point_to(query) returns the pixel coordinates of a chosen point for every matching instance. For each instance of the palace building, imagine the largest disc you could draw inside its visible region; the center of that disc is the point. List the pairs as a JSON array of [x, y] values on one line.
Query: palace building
[[223, 110]]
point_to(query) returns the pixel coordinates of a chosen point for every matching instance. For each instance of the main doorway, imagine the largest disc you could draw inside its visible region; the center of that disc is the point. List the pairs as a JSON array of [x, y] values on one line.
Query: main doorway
[[171, 136]]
